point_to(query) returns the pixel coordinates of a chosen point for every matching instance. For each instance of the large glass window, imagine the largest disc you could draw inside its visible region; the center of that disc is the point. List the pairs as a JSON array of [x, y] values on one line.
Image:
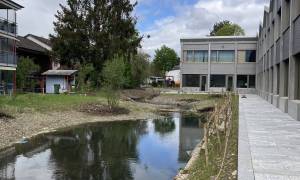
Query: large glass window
[[191, 80], [7, 55], [197, 56], [217, 80], [201, 56], [246, 81], [242, 81], [223, 56]]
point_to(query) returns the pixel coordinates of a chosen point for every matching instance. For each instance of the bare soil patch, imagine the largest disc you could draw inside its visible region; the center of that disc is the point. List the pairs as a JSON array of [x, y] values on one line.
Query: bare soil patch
[[5, 117], [103, 110], [140, 95]]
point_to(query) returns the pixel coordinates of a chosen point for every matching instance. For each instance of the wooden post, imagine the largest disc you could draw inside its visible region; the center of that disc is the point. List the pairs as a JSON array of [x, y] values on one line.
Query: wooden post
[[15, 83], [206, 142]]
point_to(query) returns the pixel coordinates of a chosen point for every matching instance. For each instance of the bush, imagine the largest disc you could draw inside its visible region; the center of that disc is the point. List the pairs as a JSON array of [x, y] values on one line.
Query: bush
[[113, 75], [25, 69]]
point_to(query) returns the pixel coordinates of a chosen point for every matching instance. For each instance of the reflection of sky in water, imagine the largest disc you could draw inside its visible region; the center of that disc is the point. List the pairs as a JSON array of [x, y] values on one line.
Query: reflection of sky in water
[[34, 168], [154, 155]]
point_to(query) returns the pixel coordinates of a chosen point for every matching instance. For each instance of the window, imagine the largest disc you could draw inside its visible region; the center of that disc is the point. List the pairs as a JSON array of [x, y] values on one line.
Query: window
[[222, 56], [242, 81], [190, 56], [201, 56], [246, 56], [191, 80], [218, 81], [250, 56], [246, 81], [214, 56], [197, 56], [252, 80]]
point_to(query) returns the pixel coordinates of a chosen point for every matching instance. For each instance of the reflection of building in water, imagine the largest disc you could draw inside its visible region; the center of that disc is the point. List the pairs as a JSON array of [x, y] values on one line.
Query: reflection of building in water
[[190, 134]]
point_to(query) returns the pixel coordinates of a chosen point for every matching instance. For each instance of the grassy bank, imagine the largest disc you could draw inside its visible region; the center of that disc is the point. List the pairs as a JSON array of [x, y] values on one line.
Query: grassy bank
[[201, 171], [45, 102]]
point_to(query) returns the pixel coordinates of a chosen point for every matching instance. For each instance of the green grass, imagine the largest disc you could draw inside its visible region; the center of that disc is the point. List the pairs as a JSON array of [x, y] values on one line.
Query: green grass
[[40, 102], [200, 171]]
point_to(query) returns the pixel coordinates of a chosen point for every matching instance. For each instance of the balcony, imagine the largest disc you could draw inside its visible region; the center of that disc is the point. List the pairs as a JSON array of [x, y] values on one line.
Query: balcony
[[8, 58], [9, 27]]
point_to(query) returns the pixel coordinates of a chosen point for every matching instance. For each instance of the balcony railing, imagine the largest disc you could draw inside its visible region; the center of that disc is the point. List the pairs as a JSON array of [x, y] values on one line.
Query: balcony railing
[[8, 58], [7, 26]]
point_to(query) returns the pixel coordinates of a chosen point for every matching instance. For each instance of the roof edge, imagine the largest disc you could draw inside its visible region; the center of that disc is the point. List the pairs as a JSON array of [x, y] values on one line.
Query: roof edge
[[13, 4], [254, 38]]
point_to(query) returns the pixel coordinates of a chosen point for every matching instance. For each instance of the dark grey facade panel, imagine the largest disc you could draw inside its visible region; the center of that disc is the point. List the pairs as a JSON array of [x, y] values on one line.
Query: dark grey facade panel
[[286, 44], [278, 50], [272, 56], [296, 43], [278, 4]]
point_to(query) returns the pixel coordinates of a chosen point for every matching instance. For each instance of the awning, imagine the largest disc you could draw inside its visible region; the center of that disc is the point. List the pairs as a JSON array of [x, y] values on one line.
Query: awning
[[3, 68]]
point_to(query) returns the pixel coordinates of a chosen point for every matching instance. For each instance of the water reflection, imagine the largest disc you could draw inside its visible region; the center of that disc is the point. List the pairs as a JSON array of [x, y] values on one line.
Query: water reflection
[[153, 149]]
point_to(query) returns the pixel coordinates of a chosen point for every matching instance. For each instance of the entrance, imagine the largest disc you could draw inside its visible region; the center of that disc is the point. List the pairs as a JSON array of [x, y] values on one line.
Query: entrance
[[203, 83], [229, 86]]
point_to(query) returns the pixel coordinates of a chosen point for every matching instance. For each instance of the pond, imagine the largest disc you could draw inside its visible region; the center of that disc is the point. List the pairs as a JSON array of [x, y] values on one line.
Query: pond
[[146, 150]]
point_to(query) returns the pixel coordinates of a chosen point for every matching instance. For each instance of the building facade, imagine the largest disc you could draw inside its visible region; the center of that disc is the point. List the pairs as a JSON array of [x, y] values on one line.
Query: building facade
[[8, 39], [216, 64], [278, 66]]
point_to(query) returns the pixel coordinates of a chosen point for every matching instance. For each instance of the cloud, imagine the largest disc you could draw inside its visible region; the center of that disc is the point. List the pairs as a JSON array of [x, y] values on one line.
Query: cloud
[[196, 21], [37, 16], [185, 19]]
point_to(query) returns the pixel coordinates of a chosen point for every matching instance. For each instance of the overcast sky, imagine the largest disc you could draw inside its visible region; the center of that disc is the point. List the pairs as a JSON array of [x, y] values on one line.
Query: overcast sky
[[166, 21]]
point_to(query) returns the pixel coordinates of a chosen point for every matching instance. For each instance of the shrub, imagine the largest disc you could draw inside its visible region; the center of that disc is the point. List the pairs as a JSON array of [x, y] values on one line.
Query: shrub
[[113, 80]]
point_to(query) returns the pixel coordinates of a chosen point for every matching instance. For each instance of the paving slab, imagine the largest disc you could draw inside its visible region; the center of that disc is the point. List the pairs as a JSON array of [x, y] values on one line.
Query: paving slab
[[269, 142]]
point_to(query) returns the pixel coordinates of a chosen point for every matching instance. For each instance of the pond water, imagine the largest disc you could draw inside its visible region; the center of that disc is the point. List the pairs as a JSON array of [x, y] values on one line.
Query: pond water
[[146, 150]]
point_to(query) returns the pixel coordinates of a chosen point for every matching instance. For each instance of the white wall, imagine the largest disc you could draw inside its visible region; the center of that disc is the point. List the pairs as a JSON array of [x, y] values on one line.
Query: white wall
[[52, 80], [175, 74]]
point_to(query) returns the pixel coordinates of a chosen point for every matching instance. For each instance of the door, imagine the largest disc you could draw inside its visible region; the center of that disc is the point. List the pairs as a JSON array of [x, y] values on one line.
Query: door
[[203, 83], [229, 83]]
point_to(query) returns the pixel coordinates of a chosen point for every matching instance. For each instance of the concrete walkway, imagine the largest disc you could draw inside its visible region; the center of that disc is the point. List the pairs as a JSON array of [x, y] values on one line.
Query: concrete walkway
[[269, 142]]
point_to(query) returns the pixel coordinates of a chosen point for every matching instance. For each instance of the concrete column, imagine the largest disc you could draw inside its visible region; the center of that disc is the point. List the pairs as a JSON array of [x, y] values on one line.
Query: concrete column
[[235, 67], [283, 79], [293, 78], [275, 80], [181, 60], [209, 66]]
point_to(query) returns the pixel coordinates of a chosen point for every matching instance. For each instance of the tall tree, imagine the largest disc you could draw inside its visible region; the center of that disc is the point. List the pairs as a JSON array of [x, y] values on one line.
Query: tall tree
[[165, 59], [94, 31], [227, 28]]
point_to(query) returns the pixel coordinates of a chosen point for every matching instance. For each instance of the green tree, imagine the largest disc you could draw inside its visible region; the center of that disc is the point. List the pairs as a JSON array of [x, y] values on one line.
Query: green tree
[[25, 69], [92, 32], [227, 28], [165, 59], [84, 76], [138, 69], [113, 75]]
